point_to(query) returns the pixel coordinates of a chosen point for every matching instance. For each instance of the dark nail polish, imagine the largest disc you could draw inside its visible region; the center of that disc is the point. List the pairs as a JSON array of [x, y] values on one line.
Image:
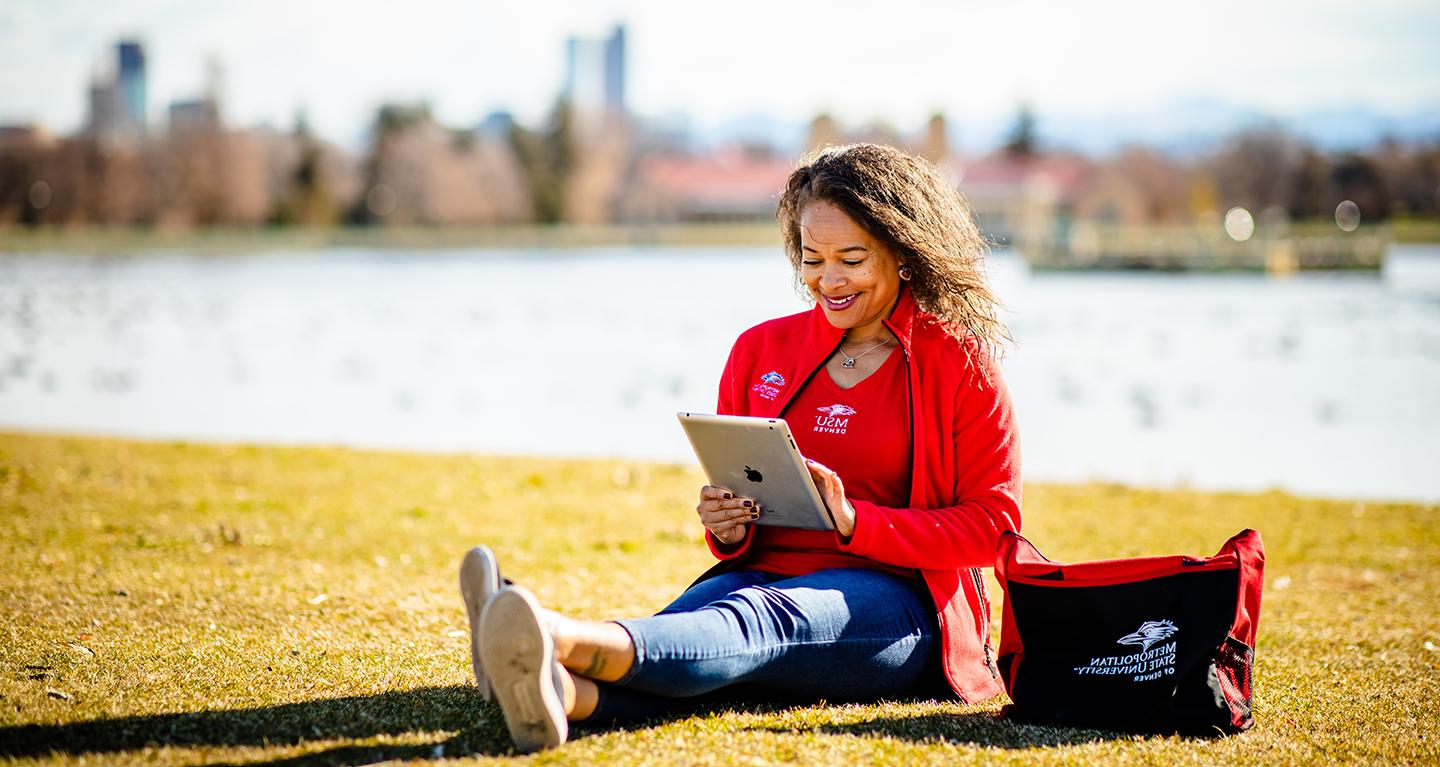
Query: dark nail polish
[[747, 504], [728, 496]]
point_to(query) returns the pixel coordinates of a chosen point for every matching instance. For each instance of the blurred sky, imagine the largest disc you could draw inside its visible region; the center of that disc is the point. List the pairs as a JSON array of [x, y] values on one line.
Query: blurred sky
[[897, 60]]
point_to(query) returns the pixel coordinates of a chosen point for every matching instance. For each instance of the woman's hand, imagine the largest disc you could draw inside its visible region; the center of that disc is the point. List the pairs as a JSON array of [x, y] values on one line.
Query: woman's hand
[[725, 514], [832, 492]]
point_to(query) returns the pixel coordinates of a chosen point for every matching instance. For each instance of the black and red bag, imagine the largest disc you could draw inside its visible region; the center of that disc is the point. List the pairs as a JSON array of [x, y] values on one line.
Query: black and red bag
[[1151, 644]]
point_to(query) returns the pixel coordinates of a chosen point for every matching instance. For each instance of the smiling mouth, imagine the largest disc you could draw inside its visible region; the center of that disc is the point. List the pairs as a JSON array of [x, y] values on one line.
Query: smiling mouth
[[839, 303]]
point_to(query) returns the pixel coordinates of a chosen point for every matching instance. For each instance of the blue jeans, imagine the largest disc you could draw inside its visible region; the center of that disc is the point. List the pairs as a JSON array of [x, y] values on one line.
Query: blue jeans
[[842, 634]]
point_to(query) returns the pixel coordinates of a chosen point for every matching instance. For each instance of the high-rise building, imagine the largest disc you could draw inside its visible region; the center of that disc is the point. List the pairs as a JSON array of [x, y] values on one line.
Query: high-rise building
[[595, 72], [573, 47], [497, 124], [130, 82], [117, 97], [105, 110], [615, 70], [194, 116]]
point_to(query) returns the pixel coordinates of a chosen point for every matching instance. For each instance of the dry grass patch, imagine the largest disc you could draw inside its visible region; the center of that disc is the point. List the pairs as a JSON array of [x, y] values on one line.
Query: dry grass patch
[[187, 604]]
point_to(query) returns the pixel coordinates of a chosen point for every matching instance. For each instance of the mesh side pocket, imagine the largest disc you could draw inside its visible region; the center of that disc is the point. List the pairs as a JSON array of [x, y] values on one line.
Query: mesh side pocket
[[1233, 665]]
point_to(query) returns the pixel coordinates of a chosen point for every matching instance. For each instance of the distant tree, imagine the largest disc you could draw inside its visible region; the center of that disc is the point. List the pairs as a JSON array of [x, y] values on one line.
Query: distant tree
[[195, 167], [1358, 178], [22, 166], [1412, 174], [1138, 185], [394, 118], [104, 184], [1201, 200], [1310, 187], [391, 121], [1160, 182], [310, 200], [547, 159], [560, 138], [199, 175], [1022, 142], [1256, 168]]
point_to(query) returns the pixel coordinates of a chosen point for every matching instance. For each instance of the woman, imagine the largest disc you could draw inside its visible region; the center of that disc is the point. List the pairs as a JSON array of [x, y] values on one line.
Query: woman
[[892, 391]]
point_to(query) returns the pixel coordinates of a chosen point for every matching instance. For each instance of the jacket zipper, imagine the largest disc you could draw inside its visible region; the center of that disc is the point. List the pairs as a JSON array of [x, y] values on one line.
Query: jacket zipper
[[910, 411], [796, 391], [985, 619], [910, 405]]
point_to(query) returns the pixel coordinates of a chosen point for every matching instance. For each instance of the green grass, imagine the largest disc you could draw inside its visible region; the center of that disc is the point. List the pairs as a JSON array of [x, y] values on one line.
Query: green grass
[[1418, 230], [184, 604]]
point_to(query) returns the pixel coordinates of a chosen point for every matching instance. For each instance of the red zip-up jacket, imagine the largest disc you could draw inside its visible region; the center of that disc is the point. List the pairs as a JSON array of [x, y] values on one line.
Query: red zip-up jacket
[[965, 466]]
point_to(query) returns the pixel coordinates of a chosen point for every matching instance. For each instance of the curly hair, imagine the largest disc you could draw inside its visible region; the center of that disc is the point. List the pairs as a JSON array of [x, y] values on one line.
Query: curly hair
[[903, 201]]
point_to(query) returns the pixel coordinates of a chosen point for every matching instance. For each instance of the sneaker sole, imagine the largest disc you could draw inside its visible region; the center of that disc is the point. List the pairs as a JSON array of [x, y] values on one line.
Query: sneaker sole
[[479, 580], [519, 657]]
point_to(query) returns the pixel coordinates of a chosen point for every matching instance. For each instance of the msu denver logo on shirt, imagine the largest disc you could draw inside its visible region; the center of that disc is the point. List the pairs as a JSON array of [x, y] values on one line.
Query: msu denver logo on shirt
[[833, 419], [769, 386]]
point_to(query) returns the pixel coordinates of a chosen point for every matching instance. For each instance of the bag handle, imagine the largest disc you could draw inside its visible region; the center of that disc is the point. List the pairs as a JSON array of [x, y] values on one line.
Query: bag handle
[[1012, 548], [1250, 552]]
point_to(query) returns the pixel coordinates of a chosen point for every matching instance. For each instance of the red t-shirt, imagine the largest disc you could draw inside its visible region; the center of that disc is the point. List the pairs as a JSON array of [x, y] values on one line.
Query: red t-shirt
[[863, 434]]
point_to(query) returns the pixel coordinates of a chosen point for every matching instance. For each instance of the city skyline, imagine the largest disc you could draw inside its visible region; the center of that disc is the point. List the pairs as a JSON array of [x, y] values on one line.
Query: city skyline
[[781, 63]]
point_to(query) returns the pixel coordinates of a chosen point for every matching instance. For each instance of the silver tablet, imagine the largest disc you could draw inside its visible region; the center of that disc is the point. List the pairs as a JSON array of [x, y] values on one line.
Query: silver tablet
[[757, 458]]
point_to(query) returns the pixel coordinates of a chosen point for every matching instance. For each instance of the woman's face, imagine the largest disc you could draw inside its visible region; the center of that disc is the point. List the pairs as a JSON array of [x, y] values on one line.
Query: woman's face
[[854, 277]]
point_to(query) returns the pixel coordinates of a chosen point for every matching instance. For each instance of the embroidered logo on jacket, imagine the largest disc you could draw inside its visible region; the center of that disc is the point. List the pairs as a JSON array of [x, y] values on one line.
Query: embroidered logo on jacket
[[769, 386], [834, 419], [1149, 663]]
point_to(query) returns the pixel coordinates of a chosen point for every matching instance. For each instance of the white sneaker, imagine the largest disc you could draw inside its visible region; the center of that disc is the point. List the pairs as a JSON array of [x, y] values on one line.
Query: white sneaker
[[519, 655], [479, 580]]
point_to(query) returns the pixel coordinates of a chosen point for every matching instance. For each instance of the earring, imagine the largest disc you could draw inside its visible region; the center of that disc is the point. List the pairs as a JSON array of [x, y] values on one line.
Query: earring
[[905, 273]]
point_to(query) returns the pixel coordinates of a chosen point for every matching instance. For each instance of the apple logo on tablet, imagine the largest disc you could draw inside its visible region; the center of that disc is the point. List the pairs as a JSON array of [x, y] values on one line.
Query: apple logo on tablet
[[753, 475]]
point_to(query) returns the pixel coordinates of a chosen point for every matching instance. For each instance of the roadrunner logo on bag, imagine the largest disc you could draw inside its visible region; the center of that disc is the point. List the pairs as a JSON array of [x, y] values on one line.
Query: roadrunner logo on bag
[[1145, 665], [1149, 633]]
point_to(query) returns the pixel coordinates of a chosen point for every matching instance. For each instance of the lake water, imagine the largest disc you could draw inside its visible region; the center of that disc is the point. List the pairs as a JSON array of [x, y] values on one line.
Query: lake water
[[1324, 384]]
